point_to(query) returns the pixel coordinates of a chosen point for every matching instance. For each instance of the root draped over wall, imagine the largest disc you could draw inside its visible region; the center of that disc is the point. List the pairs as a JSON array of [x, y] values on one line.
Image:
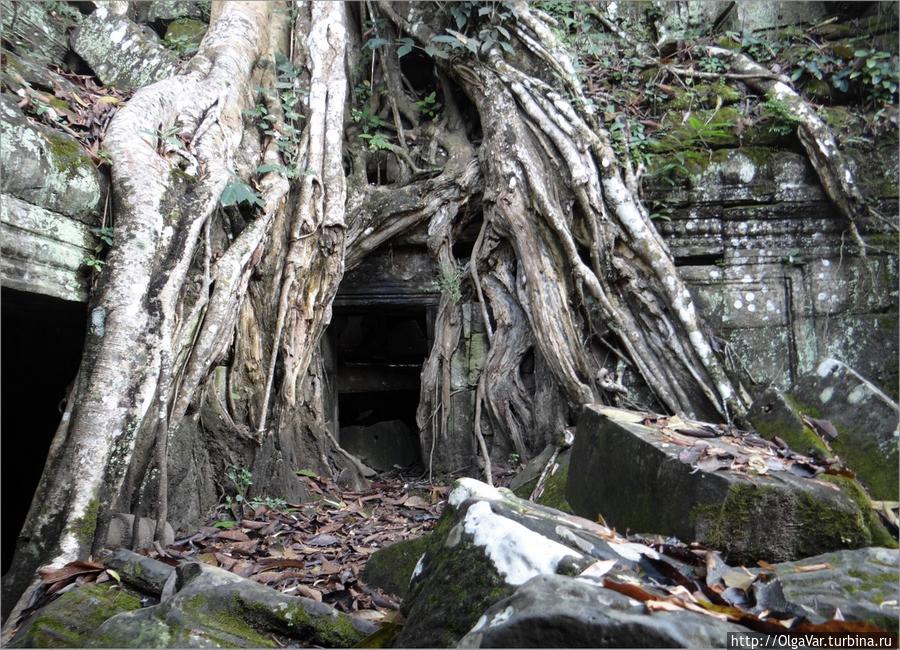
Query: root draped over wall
[[207, 320]]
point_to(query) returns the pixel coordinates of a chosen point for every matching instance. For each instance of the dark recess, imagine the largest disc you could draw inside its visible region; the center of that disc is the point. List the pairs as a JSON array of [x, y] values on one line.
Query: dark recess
[[42, 340], [379, 352], [699, 260]]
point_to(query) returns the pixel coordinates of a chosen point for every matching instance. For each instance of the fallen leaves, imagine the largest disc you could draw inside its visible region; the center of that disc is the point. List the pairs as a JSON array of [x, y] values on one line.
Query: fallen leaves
[[316, 549]]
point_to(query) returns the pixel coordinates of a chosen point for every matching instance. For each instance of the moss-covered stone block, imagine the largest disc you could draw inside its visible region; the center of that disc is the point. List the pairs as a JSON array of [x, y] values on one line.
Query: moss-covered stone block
[[866, 419], [184, 35], [864, 584], [705, 95], [215, 608], [636, 477], [71, 620], [121, 52], [774, 416], [47, 168], [486, 543], [391, 567], [553, 494]]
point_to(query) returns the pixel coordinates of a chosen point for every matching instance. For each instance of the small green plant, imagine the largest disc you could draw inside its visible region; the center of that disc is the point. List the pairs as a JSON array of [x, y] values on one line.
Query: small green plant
[[429, 105], [450, 280], [182, 44], [376, 141], [784, 121], [513, 458], [96, 262], [237, 192], [241, 480], [104, 234], [165, 138], [712, 64], [93, 263], [877, 72], [366, 119]]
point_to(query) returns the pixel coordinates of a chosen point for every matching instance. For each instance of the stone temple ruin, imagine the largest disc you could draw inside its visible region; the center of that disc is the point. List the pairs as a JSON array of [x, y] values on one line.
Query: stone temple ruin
[[808, 322]]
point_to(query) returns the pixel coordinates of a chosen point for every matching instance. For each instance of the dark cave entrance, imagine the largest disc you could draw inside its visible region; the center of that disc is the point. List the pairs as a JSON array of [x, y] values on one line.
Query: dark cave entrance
[[376, 357], [42, 341]]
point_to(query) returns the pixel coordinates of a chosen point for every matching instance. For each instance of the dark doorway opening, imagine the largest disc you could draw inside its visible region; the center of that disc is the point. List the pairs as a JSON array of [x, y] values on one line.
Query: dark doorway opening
[[378, 355], [42, 340]]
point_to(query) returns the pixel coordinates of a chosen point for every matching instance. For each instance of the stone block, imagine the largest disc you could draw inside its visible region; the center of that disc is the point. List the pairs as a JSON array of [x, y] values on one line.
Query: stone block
[[864, 584], [70, 620], [122, 53], [553, 611], [867, 421], [642, 479], [381, 445], [47, 168]]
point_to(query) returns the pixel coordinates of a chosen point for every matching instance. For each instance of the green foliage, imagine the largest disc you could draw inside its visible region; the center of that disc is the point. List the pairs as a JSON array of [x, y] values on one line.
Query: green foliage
[[450, 280], [105, 234], [165, 138], [712, 64], [366, 119], [877, 73], [870, 74], [93, 263], [429, 105], [241, 479], [96, 262], [236, 192], [225, 524], [289, 95], [784, 120], [376, 141]]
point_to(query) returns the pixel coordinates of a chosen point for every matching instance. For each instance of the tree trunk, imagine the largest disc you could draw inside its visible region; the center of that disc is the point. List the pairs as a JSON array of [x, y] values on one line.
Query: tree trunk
[[205, 328]]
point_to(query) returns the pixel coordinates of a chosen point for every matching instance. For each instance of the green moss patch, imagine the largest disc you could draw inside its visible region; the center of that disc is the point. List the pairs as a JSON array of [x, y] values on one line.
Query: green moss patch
[[390, 568], [462, 583], [771, 522], [71, 620]]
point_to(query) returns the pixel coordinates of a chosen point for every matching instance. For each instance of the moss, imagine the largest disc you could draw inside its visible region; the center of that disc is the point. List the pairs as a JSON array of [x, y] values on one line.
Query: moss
[[753, 523], [67, 154], [390, 568], [462, 583], [826, 526], [184, 34], [803, 439], [880, 535], [86, 526], [69, 621], [293, 620], [705, 96], [703, 129], [220, 620], [875, 469]]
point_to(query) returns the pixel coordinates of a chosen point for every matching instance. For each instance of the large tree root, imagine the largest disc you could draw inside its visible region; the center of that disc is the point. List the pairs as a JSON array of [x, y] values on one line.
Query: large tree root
[[824, 154]]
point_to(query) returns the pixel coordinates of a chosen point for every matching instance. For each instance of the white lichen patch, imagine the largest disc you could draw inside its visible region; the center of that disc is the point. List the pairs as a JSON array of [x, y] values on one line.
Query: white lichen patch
[[469, 488], [518, 553], [420, 565], [826, 394]]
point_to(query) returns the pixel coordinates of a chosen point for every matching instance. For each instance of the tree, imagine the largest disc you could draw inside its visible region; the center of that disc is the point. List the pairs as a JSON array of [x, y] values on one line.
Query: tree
[[241, 193]]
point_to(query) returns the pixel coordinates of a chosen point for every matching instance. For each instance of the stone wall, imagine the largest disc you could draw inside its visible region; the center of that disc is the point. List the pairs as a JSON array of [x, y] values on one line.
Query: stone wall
[[771, 264]]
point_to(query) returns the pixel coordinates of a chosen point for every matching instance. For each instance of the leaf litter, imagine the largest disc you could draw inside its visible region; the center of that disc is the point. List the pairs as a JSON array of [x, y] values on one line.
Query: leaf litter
[[319, 548]]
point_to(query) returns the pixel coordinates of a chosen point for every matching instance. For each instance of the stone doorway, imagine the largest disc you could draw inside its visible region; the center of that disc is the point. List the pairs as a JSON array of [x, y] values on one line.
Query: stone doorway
[[42, 340], [375, 359]]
